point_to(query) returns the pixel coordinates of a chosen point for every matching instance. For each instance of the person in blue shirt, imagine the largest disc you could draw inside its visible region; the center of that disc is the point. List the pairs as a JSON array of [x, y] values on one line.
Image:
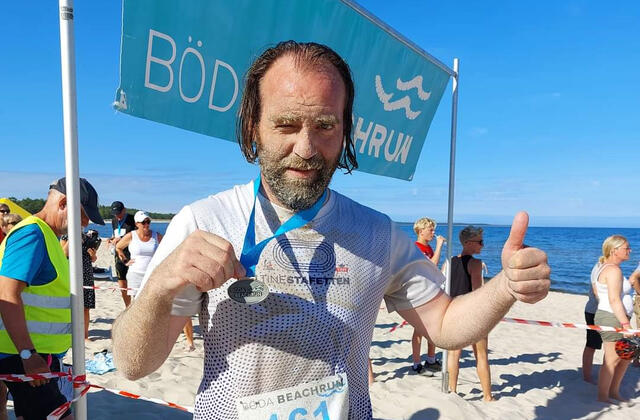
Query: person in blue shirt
[[35, 330]]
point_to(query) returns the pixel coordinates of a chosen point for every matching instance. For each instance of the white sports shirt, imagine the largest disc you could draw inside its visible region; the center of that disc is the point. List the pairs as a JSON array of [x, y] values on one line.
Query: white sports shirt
[[326, 282]]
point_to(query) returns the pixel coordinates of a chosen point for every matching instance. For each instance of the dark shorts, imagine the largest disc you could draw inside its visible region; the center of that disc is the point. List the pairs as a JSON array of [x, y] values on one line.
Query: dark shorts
[[121, 270], [33, 403], [594, 340]]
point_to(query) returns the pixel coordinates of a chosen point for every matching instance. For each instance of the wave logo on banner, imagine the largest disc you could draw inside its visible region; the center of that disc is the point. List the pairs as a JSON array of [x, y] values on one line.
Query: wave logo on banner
[[405, 101]]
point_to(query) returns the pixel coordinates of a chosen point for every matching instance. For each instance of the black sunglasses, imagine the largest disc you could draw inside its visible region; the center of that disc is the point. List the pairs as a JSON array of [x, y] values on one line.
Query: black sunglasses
[[5, 211], [146, 222], [481, 242]]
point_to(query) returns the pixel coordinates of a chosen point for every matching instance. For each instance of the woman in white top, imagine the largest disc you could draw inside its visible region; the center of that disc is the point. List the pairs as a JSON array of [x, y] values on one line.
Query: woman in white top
[[614, 308], [142, 244]]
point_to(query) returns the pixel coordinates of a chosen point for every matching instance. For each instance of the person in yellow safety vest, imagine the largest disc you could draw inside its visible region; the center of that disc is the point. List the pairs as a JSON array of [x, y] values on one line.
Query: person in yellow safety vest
[[35, 303]]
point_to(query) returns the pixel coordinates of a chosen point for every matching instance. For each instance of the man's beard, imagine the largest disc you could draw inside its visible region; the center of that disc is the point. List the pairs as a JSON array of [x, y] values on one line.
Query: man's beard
[[295, 193]]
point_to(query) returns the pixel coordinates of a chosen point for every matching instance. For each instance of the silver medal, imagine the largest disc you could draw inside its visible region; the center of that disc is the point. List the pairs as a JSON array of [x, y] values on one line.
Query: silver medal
[[248, 290]]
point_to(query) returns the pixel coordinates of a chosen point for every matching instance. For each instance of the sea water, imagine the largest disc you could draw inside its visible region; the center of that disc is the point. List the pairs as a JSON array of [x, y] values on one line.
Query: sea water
[[572, 252]]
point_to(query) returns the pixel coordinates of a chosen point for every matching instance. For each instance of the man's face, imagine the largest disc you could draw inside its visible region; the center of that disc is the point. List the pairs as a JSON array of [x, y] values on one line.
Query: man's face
[[426, 234], [475, 244], [300, 132], [63, 219]]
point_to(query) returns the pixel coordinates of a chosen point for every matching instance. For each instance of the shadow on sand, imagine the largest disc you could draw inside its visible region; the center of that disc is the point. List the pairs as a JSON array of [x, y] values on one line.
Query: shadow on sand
[[574, 399]]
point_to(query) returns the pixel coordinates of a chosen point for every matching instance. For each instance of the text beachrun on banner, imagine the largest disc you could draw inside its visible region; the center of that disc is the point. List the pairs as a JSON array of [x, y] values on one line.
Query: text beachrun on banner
[[183, 65]]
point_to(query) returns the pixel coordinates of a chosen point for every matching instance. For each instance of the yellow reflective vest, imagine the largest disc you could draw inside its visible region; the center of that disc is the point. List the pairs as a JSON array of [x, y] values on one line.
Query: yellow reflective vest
[[47, 308]]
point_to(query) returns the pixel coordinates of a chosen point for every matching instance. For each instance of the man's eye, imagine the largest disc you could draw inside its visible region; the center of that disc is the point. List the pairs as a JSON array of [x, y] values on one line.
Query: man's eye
[[326, 126], [284, 126]]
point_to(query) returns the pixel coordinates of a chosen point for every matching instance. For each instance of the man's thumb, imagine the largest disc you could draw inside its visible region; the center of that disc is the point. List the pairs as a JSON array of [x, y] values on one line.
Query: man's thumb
[[518, 231], [239, 270]]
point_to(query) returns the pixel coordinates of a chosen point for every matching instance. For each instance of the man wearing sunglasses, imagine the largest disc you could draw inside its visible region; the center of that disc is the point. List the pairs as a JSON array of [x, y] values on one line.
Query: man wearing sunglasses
[[122, 223], [466, 276]]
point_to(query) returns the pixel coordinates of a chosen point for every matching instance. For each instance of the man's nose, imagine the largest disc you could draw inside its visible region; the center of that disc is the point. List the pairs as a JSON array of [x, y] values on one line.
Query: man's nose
[[305, 146]]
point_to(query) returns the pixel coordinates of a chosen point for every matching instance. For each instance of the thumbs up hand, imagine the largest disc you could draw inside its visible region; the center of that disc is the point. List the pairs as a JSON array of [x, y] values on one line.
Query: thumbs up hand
[[526, 269]]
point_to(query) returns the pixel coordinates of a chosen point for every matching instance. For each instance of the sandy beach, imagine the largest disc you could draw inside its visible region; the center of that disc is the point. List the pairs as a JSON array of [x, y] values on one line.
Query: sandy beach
[[535, 371]]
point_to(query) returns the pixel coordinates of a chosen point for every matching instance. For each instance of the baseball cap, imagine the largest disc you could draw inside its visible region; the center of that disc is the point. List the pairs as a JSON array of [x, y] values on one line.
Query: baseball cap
[[88, 197], [116, 207], [140, 216]]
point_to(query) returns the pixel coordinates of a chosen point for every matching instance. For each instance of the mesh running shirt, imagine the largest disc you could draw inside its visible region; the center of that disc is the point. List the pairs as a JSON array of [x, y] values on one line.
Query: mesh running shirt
[[326, 282]]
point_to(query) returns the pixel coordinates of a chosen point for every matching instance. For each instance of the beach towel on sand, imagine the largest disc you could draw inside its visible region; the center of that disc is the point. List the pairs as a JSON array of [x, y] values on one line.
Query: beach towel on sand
[[101, 363]]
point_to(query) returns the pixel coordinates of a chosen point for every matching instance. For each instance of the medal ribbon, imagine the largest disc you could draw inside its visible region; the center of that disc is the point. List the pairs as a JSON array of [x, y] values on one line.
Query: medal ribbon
[[251, 251]]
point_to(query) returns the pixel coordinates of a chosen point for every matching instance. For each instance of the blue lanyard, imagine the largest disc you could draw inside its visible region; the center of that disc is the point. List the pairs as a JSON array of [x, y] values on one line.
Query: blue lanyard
[[121, 222], [251, 251]]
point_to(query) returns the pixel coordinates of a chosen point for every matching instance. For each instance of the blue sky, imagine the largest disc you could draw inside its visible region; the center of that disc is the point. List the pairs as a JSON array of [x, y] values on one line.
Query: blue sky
[[549, 115]]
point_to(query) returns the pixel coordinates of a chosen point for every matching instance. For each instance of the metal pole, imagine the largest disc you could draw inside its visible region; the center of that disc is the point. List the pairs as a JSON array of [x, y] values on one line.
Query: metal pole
[[70, 118], [452, 181]]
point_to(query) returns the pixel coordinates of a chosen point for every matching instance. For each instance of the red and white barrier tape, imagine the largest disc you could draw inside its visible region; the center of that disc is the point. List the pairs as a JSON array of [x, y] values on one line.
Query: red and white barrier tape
[[546, 324], [81, 382], [109, 288], [395, 327], [569, 325], [28, 378], [78, 382], [140, 397]]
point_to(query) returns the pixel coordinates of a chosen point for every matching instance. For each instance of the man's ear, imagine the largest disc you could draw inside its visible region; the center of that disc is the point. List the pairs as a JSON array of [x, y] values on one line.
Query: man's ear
[[62, 202]]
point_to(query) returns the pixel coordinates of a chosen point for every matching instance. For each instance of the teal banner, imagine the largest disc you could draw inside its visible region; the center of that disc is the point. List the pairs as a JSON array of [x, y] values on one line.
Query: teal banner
[[182, 63]]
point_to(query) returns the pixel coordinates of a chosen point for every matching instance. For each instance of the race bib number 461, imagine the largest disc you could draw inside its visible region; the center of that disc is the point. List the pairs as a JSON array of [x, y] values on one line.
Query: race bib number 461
[[325, 399]]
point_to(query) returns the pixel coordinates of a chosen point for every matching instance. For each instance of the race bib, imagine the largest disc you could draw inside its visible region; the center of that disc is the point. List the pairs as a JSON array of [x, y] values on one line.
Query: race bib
[[324, 399]]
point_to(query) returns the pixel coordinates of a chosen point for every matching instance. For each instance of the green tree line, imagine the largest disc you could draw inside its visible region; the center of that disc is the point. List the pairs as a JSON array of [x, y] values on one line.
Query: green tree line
[[34, 205]]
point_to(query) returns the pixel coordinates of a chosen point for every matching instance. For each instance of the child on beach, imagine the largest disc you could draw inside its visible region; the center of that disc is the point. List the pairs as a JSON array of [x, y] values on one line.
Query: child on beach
[[425, 229], [466, 275]]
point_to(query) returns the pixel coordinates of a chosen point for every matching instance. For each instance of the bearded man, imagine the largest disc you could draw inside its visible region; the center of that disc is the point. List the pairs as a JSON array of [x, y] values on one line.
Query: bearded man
[[294, 340]]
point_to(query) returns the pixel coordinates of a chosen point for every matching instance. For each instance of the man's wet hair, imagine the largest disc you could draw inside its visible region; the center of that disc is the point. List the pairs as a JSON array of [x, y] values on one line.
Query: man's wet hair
[[307, 54]]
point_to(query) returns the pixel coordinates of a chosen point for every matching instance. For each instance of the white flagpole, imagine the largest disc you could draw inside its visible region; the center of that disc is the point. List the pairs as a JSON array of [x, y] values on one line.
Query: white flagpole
[[452, 182], [70, 118]]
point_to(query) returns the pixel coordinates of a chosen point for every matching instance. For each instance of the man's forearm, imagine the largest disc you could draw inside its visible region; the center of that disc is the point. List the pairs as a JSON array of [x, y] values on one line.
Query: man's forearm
[[456, 323], [141, 333], [472, 316], [12, 311]]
